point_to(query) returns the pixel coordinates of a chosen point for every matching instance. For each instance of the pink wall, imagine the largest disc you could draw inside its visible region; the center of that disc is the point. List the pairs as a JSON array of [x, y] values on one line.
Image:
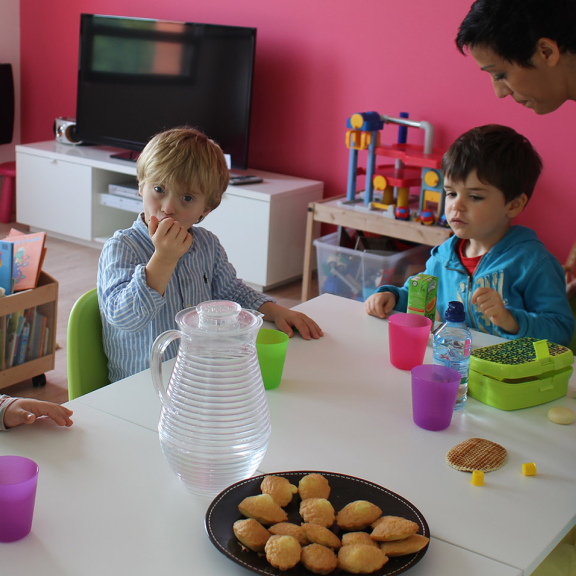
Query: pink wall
[[317, 63]]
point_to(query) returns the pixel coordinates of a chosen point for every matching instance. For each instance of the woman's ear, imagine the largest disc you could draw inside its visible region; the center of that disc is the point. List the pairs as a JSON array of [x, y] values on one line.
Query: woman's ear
[[547, 50]]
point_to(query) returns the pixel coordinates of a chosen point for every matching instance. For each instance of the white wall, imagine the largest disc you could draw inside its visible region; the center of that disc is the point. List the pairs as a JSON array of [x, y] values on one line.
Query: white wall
[[10, 54]]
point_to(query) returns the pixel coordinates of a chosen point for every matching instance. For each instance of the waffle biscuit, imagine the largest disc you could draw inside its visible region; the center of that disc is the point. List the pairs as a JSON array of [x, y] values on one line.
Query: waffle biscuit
[[477, 454], [251, 534], [319, 559], [289, 529], [409, 545]]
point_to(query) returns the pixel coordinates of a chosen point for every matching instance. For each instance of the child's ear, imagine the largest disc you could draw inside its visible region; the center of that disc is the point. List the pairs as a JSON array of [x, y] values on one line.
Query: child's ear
[[517, 205], [204, 214]]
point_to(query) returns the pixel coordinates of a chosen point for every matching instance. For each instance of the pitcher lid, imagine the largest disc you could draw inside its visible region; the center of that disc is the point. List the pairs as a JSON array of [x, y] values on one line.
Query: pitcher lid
[[217, 316]]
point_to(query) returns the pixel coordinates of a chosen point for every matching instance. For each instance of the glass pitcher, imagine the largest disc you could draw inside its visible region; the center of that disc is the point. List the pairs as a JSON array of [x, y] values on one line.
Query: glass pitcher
[[215, 423]]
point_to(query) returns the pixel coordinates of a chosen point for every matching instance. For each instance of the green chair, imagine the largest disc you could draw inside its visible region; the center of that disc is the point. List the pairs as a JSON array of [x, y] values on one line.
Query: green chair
[[87, 362]]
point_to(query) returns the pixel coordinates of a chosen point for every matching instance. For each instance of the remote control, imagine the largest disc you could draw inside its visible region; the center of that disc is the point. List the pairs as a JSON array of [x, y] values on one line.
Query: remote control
[[240, 180]]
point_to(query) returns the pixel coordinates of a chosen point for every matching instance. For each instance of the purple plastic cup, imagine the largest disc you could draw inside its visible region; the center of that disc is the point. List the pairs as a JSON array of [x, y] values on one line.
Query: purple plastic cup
[[18, 481], [434, 391], [408, 336]]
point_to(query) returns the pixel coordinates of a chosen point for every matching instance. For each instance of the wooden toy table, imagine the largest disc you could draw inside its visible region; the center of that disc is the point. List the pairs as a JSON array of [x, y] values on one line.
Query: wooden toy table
[[331, 212]]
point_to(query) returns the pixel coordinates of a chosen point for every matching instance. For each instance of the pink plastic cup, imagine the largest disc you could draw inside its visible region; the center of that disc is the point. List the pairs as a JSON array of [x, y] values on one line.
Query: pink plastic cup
[[434, 391], [408, 336], [18, 481]]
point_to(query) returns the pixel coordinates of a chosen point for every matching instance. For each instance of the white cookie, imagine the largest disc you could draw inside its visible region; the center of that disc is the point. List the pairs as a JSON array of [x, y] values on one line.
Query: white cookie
[[561, 415]]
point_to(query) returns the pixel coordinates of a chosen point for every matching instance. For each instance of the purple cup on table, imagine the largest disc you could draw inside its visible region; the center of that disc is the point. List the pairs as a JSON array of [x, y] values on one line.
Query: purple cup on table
[[434, 391], [18, 481], [408, 336]]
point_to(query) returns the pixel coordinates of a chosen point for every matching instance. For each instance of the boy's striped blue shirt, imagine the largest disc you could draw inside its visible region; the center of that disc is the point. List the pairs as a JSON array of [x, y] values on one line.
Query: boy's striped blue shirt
[[133, 314]]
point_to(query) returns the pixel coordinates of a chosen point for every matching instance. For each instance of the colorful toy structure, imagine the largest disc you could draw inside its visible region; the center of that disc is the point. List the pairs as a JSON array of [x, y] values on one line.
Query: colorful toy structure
[[414, 166]]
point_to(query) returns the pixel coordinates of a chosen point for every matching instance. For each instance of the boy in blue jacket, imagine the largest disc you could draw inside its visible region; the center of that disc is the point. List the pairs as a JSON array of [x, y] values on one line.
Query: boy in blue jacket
[[509, 283]]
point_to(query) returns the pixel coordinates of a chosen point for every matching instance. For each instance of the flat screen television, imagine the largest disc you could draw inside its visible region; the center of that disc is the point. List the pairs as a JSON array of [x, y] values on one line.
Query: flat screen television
[[137, 77]]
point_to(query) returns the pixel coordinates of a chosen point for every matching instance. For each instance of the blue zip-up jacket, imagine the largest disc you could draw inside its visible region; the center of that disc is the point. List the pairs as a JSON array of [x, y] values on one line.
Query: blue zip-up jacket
[[528, 278]]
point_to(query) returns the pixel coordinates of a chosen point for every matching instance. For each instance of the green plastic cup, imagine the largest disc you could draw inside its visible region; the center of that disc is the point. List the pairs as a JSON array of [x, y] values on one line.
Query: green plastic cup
[[271, 346]]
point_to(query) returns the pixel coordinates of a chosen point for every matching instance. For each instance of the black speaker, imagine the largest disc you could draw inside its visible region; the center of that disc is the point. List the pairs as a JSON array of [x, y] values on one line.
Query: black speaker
[[6, 104]]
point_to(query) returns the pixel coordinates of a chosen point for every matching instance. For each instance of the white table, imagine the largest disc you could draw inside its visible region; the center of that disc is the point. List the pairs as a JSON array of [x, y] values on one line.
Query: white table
[[341, 407], [107, 503]]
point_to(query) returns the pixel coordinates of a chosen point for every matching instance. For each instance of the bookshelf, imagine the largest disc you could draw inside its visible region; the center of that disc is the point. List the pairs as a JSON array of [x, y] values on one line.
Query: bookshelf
[[43, 298]]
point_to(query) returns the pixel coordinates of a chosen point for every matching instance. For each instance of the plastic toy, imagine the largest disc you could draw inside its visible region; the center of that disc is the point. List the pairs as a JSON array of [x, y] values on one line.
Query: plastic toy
[[529, 469], [341, 277], [477, 478], [364, 134], [426, 218], [413, 166], [402, 213]]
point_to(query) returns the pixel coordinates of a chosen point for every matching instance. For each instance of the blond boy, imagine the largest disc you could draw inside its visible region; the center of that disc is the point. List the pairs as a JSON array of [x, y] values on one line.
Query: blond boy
[[164, 263]]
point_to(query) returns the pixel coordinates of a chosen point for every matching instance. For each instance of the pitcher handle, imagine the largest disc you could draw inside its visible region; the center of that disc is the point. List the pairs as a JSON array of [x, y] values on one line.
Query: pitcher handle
[[158, 348]]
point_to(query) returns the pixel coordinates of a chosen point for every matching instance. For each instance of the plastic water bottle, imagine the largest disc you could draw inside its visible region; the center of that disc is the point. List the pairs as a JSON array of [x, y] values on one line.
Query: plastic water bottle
[[452, 345]]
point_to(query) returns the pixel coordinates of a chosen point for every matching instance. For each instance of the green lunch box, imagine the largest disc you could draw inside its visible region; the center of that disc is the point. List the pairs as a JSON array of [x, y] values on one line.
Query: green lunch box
[[520, 373]]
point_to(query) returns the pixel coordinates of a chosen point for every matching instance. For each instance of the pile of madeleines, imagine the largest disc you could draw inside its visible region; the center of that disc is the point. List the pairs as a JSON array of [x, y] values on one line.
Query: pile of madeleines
[[370, 538]]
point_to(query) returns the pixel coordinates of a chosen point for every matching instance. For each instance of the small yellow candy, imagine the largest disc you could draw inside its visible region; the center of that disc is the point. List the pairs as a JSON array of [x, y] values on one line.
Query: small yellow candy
[[477, 478], [529, 469]]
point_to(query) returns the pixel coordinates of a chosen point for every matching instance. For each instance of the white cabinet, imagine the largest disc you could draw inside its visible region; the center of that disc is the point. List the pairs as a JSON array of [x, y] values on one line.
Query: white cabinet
[[63, 190], [54, 195]]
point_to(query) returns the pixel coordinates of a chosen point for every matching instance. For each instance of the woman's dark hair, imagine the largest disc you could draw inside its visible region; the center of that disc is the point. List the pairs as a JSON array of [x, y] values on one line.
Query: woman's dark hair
[[512, 28]]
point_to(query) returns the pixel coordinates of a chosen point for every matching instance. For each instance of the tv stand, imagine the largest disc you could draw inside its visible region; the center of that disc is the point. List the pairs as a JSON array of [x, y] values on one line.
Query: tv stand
[[63, 190], [129, 155]]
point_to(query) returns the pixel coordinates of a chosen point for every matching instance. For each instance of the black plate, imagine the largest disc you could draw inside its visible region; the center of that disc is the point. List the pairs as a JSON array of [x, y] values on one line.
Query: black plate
[[223, 512]]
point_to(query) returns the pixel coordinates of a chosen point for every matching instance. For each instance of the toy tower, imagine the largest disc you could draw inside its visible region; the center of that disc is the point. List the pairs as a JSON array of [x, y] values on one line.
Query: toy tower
[[414, 166]]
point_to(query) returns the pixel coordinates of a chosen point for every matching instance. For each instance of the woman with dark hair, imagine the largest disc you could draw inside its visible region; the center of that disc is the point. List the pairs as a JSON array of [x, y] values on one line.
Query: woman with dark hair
[[527, 46]]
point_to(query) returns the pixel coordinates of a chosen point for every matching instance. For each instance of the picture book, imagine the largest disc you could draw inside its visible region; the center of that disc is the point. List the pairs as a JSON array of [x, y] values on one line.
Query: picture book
[[6, 264], [22, 344], [3, 343], [46, 343], [37, 335], [29, 252], [13, 335], [32, 321]]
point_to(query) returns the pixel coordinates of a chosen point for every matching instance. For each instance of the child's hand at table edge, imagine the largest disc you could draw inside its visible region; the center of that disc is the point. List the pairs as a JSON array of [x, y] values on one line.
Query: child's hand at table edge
[[286, 319], [380, 304], [490, 303], [26, 410]]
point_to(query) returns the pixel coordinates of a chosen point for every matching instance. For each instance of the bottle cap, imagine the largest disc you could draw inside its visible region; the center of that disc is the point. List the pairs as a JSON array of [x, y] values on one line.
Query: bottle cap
[[455, 312]]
